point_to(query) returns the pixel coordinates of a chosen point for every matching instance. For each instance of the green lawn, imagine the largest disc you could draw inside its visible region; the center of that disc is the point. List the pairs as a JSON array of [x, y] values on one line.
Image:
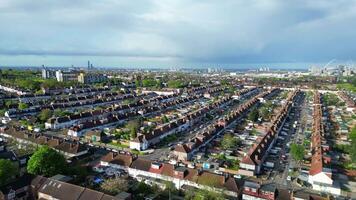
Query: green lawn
[[119, 145], [346, 86]]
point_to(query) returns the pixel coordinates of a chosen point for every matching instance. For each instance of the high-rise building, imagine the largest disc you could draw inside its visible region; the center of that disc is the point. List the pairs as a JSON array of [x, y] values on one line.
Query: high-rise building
[[47, 73], [91, 78], [63, 76]]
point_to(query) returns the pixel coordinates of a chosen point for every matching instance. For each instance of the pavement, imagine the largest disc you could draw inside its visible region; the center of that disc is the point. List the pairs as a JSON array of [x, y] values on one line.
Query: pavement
[[280, 178]]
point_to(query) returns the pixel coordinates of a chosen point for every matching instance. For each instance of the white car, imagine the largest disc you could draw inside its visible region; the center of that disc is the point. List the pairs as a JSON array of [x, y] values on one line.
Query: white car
[[218, 172], [238, 176]]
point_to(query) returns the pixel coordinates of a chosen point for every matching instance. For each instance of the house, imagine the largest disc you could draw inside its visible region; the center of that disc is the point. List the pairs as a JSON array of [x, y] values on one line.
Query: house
[[241, 93], [139, 143], [109, 120], [320, 175], [305, 195], [71, 149], [117, 160], [142, 142], [12, 90], [350, 103], [258, 191], [157, 173], [9, 155], [59, 123], [23, 160], [49, 189], [185, 151], [18, 189], [252, 162]]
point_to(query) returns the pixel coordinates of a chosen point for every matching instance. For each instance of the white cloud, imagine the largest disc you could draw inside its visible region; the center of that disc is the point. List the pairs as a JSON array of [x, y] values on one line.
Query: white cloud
[[180, 30]]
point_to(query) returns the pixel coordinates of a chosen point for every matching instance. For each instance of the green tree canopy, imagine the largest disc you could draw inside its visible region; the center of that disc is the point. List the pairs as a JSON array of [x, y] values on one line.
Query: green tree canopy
[[297, 152], [228, 141], [60, 113], [134, 126], [264, 113], [352, 137], [165, 119], [253, 115], [46, 161], [175, 84], [50, 83], [143, 188], [149, 82], [2, 112], [22, 106], [7, 171], [45, 114], [8, 103]]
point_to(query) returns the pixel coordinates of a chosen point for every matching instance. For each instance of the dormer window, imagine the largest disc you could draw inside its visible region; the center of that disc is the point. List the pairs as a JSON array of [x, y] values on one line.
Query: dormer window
[[156, 165]]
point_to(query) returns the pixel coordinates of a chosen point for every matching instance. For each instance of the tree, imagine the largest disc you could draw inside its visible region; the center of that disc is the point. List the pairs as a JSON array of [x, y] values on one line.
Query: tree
[[60, 113], [114, 185], [143, 188], [46, 161], [352, 137], [169, 190], [133, 126], [203, 195], [138, 83], [8, 103], [165, 119], [297, 152], [7, 171], [228, 141], [50, 83], [189, 194], [175, 84], [264, 112], [45, 114], [253, 115], [149, 83], [2, 112], [22, 106], [224, 82]]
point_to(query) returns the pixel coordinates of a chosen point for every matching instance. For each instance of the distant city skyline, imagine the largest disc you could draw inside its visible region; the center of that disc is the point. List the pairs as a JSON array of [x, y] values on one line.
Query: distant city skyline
[[230, 67], [140, 34]]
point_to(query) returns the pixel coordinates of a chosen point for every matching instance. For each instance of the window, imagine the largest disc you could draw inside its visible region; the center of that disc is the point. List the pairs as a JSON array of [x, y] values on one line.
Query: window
[[11, 194]]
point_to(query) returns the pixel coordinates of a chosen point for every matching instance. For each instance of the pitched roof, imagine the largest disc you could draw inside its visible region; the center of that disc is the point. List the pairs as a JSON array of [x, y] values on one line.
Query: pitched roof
[[61, 190], [72, 148], [231, 184], [89, 194], [118, 159], [141, 164], [181, 148]]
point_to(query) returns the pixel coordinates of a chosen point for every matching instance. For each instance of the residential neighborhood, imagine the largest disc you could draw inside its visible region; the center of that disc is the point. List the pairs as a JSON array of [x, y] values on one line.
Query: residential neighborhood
[[222, 137]]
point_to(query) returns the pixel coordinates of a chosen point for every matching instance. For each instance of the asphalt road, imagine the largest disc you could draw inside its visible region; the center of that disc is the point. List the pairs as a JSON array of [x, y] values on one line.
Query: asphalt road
[[299, 113]]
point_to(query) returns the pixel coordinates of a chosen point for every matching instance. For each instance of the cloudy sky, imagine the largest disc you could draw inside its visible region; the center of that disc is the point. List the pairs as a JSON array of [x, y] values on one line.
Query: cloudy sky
[[176, 32]]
